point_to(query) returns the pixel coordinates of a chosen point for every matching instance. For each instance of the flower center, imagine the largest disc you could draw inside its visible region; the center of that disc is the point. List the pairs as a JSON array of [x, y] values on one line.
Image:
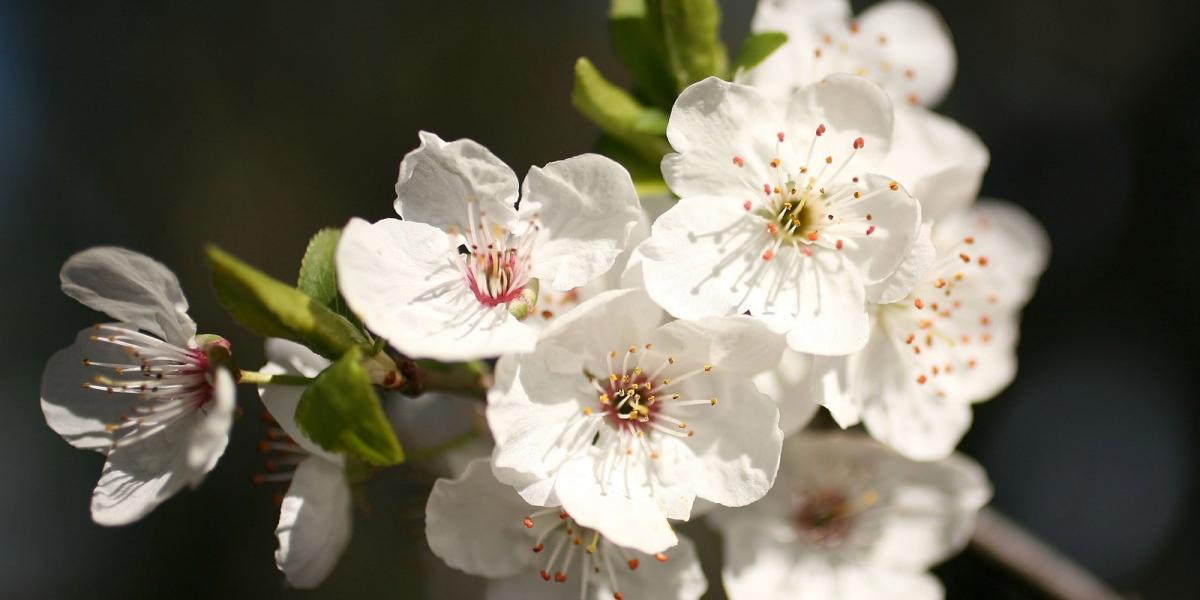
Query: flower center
[[164, 382], [634, 400], [826, 516], [495, 262], [814, 205], [598, 558], [946, 320]]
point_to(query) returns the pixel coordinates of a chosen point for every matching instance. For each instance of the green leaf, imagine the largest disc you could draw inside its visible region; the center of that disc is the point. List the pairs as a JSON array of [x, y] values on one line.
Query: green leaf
[[647, 176], [638, 42], [615, 112], [692, 33], [318, 278], [651, 121], [756, 48], [272, 308], [341, 412]]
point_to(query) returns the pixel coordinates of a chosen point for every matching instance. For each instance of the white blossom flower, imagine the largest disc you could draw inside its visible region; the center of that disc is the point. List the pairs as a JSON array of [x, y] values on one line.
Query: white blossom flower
[[315, 515], [441, 282], [624, 422], [778, 216], [482, 527], [850, 519], [904, 47], [142, 391], [949, 343]]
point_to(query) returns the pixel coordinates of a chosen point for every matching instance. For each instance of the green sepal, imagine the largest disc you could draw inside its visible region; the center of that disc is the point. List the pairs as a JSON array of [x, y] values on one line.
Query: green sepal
[[341, 412], [756, 48], [272, 308], [638, 42], [616, 112], [692, 34]]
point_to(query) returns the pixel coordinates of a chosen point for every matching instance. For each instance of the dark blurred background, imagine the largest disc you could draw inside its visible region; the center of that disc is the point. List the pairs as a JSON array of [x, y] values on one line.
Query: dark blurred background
[[254, 124]]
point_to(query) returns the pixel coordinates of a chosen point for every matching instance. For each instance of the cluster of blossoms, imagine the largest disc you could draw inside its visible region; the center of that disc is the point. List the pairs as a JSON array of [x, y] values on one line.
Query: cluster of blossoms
[[826, 250]]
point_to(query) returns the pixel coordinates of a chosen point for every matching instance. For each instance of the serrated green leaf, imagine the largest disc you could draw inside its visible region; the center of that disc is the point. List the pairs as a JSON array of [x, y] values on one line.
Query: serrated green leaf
[[272, 308], [615, 112], [756, 48], [638, 43], [340, 411], [692, 34], [318, 277]]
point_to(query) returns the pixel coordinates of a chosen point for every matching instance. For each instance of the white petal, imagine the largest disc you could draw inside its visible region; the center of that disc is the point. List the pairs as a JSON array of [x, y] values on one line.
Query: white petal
[[896, 225], [912, 269], [849, 107], [932, 515], [631, 521], [211, 434], [712, 122], [79, 414], [315, 523], [585, 208], [735, 451], [130, 287], [737, 344], [474, 523], [830, 320], [788, 384], [830, 387], [528, 422], [917, 39], [793, 65], [398, 277], [287, 357], [938, 160], [138, 477], [438, 180]]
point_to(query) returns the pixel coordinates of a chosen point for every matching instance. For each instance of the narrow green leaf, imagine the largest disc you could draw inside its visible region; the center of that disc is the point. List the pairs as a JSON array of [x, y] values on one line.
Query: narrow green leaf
[[692, 33], [638, 42], [272, 308], [318, 278], [756, 48], [615, 112], [341, 412], [651, 122]]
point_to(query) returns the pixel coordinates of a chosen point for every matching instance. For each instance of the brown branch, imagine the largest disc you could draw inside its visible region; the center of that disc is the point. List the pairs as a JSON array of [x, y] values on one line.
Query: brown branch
[[1033, 561]]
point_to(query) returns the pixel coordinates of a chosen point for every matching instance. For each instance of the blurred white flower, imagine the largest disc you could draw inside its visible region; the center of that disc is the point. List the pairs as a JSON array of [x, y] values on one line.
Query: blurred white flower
[[951, 342], [624, 422], [482, 527], [904, 47], [440, 283], [141, 391], [850, 519], [315, 516], [778, 216]]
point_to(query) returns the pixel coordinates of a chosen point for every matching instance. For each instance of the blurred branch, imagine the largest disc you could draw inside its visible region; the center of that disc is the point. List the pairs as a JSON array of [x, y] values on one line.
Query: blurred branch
[[1017, 550]]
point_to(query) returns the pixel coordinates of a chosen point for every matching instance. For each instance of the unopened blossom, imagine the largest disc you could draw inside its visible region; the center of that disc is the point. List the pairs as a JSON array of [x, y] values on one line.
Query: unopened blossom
[[624, 421], [482, 527], [950, 343], [850, 519], [780, 215], [142, 390], [903, 46], [453, 278], [315, 515]]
